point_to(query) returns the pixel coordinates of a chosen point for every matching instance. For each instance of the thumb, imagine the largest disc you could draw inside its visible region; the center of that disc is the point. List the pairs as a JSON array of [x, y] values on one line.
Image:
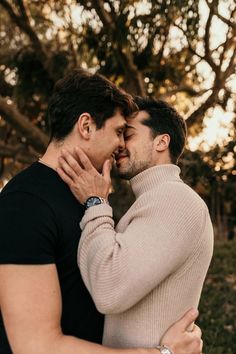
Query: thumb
[[106, 171], [187, 320]]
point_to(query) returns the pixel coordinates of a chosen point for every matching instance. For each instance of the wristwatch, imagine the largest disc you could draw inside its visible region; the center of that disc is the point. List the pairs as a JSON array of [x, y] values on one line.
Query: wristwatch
[[94, 200], [164, 349]]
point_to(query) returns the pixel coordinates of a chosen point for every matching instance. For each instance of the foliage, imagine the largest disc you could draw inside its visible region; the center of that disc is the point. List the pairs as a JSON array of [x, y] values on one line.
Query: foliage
[[217, 307], [212, 175], [153, 49]]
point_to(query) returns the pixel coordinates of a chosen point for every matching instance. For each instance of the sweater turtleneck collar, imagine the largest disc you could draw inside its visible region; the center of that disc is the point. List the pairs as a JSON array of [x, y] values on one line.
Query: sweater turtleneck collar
[[153, 176]]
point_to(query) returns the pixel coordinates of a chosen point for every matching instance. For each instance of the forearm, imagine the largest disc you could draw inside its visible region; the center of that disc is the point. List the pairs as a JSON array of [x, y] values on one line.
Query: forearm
[[109, 260], [102, 259], [70, 345]]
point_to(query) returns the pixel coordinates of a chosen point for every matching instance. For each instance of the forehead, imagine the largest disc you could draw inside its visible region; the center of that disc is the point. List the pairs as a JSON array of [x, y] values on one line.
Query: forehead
[[137, 120], [116, 121]]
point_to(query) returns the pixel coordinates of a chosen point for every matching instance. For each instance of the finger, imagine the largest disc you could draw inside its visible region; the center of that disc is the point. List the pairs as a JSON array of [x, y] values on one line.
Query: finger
[[197, 331], [84, 159], [201, 346], [71, 162], [106, 171], [187, 320], [63, 164], [64, 176]]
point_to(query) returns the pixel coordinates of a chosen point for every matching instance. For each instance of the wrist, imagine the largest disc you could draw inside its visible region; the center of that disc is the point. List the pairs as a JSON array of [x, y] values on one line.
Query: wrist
[[147, 351], [95, 200], [163, 349]]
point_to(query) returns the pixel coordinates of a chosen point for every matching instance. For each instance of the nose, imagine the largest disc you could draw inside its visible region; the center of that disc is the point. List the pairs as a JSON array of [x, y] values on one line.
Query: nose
[[122, 142]]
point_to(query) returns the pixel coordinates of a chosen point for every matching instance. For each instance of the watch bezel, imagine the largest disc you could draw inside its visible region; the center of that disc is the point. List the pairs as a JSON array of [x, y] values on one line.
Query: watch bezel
[[94, 200], [164, 349]]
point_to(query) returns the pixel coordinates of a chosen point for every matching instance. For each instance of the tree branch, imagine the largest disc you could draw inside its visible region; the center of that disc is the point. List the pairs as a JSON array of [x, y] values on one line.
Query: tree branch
[[104, 16], [231, 66], [6, 89], [17, 153], [189, 44], [199, 113], [228, 22], [34, 135], [208, 56], [23, 23], [226, 45], [189, 90], [212, 100], [125, 55], [23, 10]]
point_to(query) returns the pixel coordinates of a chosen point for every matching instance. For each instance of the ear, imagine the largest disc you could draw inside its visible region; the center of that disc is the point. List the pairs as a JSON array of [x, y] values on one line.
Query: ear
[[162, 142], [85, 125]]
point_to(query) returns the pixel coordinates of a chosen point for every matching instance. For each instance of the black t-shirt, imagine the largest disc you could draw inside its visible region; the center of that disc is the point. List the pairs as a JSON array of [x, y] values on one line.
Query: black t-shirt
[[39, 224]]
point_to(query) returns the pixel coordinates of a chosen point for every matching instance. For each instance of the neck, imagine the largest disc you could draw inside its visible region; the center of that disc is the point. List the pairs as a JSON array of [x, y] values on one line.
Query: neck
[[53, 152], [152, 177]]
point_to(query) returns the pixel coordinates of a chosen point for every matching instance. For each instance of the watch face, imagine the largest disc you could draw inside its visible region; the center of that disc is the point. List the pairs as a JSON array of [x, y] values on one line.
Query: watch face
[[93, 201]]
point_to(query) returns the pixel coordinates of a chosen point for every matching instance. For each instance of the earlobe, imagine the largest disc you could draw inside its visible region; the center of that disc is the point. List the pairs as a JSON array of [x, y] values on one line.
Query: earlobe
[[85, 125]]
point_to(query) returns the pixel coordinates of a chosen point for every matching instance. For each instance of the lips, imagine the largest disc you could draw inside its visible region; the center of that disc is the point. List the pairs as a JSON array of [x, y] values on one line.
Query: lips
[[120, 158]]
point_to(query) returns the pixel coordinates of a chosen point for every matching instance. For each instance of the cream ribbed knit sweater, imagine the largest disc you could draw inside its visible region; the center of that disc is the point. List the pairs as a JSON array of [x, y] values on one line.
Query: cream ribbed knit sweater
[[145, 274]]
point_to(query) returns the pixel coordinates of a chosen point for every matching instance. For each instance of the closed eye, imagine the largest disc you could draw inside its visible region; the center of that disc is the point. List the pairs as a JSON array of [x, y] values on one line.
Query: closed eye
[[128, 136], [120, 132]]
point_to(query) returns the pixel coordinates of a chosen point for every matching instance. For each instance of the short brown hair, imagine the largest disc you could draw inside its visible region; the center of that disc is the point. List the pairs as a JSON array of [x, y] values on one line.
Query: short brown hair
[[164, 119], [79, 92]]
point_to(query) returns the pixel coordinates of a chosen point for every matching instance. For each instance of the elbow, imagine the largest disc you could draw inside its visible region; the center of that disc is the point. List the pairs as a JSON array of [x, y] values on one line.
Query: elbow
[[108, 308], [111, 303]]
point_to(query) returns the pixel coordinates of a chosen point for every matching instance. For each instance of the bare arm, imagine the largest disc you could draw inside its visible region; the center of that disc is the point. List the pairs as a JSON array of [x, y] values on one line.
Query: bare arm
[[31, 309]]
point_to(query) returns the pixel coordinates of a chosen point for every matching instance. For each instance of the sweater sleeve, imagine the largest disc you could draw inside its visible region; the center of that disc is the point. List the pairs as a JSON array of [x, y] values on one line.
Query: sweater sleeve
[[119, 269]]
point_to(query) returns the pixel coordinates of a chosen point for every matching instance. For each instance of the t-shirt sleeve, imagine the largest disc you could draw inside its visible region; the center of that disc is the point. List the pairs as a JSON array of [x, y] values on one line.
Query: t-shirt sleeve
[[28, 230]]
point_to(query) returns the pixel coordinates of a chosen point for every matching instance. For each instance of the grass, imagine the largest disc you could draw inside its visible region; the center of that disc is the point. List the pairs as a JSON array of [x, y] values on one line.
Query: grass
[[218, 302]]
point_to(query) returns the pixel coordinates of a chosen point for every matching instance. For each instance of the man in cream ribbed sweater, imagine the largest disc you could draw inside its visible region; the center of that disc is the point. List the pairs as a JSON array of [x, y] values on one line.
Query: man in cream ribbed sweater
[[145, 273]]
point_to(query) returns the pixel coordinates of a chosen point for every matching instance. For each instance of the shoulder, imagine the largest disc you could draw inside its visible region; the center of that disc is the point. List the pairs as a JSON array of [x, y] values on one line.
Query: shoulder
[[173, 204], [35, 179], [28, 224], [41, 183], [171, 194]]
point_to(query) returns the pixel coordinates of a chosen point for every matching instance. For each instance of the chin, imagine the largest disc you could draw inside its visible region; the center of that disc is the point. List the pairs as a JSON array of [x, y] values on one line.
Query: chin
[[123, 174]]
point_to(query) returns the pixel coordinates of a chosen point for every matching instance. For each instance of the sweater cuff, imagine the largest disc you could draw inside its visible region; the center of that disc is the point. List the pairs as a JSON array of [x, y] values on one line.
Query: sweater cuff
[[94, 212]]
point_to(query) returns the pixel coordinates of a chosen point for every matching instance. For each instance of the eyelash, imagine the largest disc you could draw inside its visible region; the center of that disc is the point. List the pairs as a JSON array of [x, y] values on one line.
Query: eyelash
[[120, 132], [127, 136]]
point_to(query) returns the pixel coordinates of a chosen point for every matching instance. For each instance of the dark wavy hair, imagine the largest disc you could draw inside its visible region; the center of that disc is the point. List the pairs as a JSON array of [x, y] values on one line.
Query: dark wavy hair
[[164, 119], [79, 92]]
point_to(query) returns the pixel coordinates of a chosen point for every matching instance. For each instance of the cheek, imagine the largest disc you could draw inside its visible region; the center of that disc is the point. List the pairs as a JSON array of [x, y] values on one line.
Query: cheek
[[115, 142], [131, 145]]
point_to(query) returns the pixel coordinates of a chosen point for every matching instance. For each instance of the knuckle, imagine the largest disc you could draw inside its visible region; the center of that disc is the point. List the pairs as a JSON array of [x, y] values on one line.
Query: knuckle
[[84, 159]]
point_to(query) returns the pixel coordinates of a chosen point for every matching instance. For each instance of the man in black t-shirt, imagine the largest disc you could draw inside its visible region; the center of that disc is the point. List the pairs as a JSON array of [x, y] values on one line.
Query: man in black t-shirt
[[45, 307]]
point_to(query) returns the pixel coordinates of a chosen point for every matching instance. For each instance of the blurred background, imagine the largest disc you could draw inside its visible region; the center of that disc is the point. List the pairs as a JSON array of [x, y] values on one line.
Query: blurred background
[[182, 51]]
